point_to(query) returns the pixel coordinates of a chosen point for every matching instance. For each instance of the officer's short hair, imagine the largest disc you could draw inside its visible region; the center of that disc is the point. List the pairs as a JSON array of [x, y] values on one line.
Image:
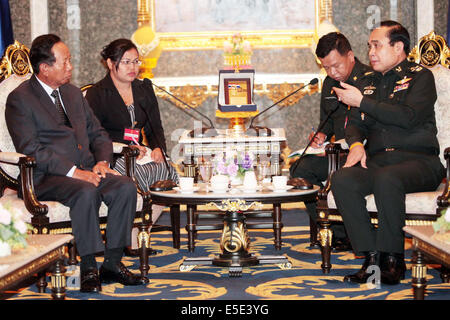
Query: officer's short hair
[[397, 33], [330, 42]]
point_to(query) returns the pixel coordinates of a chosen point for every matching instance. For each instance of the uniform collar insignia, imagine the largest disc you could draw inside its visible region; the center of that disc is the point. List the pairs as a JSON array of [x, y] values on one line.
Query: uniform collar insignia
[[398, 69], [404, 80], [368, 73]]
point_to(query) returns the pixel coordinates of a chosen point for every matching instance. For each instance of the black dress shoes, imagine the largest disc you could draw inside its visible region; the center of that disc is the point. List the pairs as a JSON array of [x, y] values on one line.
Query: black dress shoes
[[89, 281], [121, 275], [393, 268], [371, 259]]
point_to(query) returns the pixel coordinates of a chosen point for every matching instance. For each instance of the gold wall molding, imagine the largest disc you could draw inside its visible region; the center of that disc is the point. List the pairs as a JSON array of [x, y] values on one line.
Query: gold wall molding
[[289, 38]]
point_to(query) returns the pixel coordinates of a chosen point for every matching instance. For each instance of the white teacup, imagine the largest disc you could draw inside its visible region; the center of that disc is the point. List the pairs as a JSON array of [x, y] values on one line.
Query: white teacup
[[186, 183], [219, 183], [279, 182]]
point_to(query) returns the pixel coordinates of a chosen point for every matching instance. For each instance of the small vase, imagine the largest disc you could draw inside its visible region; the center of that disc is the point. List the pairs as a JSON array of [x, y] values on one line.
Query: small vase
[[236, 180], [5, 249]]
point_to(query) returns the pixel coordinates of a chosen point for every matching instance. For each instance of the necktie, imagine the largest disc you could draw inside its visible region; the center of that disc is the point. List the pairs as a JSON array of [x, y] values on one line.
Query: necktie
[[59, 107]]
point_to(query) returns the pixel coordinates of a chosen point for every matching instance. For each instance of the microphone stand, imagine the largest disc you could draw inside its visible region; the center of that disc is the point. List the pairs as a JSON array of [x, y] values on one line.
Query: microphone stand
[[204, 132], [315, 134], [267, 132]]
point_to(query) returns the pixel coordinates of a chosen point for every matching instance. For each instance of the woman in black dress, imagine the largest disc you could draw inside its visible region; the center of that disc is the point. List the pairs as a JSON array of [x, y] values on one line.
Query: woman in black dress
[[127, 108]]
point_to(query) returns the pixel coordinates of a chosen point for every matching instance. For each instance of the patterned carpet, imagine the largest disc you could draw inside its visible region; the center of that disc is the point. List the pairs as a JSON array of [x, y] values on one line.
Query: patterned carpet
[[304, 281]]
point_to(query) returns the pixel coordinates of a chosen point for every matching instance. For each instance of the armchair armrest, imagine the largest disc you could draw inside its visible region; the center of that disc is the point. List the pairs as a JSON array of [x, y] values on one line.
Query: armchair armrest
[[333, 152], [118, 147], [11, 157], [130, 155], [37, 209]]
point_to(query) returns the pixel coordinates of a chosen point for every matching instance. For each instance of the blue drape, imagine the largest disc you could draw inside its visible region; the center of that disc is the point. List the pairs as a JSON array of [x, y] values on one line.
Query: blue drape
[[448, 23], [6, 31]]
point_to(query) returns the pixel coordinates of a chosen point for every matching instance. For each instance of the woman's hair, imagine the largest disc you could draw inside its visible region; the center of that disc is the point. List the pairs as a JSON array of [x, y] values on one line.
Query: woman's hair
[[116, 49]]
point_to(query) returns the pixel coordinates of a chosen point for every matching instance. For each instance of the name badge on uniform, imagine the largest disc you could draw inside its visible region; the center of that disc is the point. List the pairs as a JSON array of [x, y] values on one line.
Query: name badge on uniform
[[131, 135], [369, 90]]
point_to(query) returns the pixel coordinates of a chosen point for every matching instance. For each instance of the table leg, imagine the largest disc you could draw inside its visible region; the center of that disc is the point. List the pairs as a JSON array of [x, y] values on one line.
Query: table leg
[[277, 225], [175, 222], [59, 281], [42, 281], [190, 227], [419, 275]]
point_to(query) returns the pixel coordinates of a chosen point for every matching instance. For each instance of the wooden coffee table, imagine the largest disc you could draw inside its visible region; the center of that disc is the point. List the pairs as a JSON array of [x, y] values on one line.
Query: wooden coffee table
[[234, 240], [43, 252], [426, 245]]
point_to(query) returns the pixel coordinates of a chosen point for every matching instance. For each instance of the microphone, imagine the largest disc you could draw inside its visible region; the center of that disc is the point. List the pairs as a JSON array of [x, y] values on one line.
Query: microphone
[[321, 125], [266, 132], [204, 132]]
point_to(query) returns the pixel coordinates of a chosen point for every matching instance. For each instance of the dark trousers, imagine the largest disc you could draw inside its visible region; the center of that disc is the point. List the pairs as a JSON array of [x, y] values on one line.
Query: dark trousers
[[315, 169], [84, 200], [390, 175]]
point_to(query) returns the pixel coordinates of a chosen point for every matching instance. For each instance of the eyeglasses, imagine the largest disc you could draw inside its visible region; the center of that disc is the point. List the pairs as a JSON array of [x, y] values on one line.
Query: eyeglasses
[[128, 62]]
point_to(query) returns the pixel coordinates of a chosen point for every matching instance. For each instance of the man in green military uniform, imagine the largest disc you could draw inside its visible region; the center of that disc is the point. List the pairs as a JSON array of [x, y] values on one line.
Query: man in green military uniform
[[394, 111], [337, 58]]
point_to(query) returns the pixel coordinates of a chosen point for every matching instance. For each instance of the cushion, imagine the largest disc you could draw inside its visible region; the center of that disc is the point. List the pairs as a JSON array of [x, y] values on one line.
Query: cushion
[[416, 203], [442, 107], [6, 145], [56, 211]]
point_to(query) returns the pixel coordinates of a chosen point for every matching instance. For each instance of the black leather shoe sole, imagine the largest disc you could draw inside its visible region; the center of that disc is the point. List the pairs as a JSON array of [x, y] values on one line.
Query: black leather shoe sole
[[90, 282], [122, 276]]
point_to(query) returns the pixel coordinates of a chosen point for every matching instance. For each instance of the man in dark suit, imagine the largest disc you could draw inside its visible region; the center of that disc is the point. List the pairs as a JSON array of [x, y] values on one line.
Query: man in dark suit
[[50, 120], [337, 58]]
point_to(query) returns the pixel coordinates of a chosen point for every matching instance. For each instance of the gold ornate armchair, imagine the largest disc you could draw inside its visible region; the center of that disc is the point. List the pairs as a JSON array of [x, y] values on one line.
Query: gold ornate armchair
[[422, 208], [49, 217]]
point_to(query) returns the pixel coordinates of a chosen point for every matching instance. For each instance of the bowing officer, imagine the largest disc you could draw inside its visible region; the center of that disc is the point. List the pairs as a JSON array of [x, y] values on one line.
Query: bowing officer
[[337, 58]]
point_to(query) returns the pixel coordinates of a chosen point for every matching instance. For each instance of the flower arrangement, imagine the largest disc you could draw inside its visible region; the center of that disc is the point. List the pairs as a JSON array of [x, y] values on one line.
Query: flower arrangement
[[237, 52], [442, 224], [13, 229], [233, 163], [237, 46]]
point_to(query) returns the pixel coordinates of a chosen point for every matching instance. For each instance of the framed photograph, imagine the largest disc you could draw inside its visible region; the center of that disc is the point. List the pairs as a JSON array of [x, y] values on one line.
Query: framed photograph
[[205, 24], [237, 91]]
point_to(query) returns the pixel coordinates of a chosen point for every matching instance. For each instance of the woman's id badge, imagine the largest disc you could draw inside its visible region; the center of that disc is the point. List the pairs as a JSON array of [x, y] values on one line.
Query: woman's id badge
[[131, 135]]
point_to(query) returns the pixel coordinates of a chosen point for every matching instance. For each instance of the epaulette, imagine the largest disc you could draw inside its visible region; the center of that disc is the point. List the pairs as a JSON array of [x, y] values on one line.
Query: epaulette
[[415, 69]]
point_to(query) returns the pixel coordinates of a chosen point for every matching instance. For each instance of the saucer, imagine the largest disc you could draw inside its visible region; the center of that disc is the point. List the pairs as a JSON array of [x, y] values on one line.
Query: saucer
[[280, 190], [257, 188], [218, 191], [186, 191]]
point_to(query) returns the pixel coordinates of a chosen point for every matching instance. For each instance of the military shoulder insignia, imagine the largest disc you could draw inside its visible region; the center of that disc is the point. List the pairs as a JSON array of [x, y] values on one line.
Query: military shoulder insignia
[[416, 68]]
